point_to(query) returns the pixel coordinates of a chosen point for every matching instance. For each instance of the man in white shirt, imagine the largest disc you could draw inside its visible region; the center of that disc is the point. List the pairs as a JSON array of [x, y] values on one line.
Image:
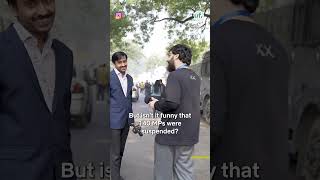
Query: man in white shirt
[[120, 106], [35, 97]]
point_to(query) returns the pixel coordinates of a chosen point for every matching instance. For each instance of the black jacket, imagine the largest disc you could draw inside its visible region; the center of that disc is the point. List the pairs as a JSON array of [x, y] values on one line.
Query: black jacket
[[250, 101], [33, 141]]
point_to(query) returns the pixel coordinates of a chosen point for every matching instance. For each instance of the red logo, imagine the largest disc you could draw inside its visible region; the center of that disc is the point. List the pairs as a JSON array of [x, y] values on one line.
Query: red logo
[[119, 15]]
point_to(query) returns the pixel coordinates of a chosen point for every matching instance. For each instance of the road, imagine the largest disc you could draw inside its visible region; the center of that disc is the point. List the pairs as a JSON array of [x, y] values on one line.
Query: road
[[91, 145], [138, 158]]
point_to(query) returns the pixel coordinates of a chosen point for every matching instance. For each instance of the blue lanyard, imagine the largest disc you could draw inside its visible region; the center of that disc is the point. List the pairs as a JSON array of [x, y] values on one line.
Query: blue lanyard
[[183, 66], [230, 16]]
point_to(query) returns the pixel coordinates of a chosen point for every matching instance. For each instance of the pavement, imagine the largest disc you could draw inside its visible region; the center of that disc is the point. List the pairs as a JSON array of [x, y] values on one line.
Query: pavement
[[91, 145]]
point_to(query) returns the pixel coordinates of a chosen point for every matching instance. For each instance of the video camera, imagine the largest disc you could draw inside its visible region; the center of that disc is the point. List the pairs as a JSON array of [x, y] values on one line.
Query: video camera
[[147, 99], [136, 129]]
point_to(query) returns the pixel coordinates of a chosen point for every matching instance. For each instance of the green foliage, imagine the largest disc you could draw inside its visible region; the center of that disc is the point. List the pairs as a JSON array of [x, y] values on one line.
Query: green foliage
[[265, 5], [135, 57], [155, 61], [119, 28], [198, 48], [143, 14]]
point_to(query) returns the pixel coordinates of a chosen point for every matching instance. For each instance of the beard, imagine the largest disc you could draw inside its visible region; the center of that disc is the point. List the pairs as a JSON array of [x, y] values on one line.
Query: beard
[[170, 66]]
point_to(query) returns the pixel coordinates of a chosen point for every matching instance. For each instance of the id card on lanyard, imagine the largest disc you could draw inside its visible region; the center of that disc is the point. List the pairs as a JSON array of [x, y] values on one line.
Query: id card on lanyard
[[230, 16]]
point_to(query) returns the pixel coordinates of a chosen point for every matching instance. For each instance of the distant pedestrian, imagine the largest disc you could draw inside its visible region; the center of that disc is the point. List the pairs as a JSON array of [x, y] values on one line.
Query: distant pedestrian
[[102, 81], [147, 88], [162, 88]]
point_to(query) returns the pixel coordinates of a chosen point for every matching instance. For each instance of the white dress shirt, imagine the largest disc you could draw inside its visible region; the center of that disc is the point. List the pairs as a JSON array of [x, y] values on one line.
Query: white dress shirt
[[123, 81], [43, 62]]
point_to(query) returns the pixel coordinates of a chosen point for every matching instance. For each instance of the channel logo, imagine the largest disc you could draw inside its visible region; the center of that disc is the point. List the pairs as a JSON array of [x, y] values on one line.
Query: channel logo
[[119, 15]]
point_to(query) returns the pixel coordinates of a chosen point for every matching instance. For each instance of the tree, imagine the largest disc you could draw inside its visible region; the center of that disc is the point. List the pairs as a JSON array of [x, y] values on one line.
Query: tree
[[265, 5], [119, 28], [136, 59], [155, 61], [197, 48], [143, 14]]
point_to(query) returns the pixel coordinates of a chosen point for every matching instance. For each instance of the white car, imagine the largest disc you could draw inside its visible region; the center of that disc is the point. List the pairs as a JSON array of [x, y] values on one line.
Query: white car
[[81, 106], [135, 94]]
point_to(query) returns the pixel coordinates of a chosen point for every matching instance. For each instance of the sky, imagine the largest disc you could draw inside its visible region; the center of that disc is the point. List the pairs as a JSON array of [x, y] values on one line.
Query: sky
[[157, 45], [159, 40]]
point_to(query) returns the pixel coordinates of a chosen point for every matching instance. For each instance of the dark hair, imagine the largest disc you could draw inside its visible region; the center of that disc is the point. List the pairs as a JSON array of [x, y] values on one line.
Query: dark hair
[[185, 53], [12, 2], [118, 55], [250, 5]]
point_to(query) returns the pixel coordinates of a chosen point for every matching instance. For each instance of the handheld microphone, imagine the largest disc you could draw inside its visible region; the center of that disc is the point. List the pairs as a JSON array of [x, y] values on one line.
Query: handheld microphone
[[137, 129], [147, 99]]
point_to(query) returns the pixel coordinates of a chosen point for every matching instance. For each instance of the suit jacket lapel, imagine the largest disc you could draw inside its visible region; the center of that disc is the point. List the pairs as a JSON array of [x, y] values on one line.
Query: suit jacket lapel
[[21, 54], [128, 85], [59, 74]]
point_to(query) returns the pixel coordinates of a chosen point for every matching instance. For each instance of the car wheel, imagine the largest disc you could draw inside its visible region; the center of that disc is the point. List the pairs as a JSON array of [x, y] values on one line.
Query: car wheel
[[89, 112], [206, 109], [311, 163], [82, 121]]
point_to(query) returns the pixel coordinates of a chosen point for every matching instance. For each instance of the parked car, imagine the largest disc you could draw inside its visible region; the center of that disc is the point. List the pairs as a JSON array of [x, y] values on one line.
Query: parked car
[[296, 25], [203, 70], [81, 105], [135, 93]]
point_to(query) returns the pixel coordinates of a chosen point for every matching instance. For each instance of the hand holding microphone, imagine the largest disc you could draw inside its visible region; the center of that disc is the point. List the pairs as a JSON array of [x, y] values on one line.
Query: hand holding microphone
[[152, 102], [136, 129], [147, 99]]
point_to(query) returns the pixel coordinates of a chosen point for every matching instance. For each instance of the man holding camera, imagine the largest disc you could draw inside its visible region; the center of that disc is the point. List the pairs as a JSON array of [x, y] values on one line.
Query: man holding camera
[[120, 107], [182, 96]]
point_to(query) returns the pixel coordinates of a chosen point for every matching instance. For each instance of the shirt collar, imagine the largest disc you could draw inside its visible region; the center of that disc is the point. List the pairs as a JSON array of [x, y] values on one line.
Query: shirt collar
[[119, 73], [22, 32], [184, 65], [25, 35]]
